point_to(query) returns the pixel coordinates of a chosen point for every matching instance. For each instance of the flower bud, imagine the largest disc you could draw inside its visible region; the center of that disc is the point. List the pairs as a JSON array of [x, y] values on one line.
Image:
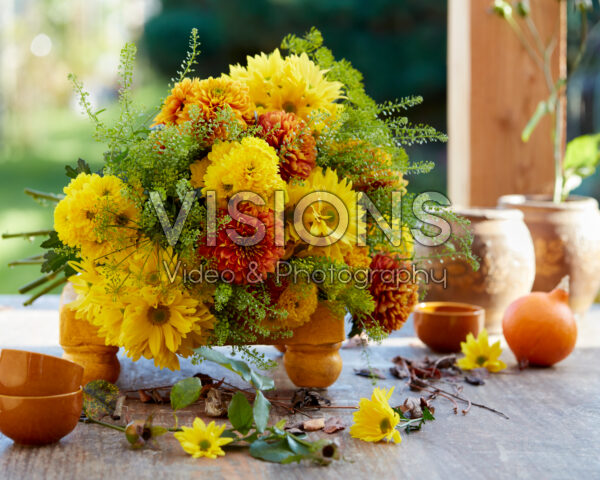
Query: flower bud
[[524, 8], [502, 8]]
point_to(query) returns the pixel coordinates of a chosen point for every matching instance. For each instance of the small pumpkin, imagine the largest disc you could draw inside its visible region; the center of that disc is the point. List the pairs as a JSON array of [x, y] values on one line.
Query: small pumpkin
[[540, 328]]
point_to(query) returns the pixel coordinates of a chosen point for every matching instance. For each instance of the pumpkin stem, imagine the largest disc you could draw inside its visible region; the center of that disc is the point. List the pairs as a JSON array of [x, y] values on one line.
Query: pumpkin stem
[[561, 291]]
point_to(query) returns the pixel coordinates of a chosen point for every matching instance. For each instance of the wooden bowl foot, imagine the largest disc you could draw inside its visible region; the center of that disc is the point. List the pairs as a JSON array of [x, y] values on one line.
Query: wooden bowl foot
[[316, 366]]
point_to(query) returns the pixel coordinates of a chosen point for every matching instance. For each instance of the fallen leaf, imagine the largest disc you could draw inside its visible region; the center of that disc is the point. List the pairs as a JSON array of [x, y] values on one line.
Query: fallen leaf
[[370, 373], [333, 424], [313, 424], [477, 376], [215, 405], [411, 408], [399, 372], [305, 398]]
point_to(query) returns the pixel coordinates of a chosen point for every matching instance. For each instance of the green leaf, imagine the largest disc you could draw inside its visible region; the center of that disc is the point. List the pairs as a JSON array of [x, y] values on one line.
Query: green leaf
[[240, 413], [583, 153], [82, 167], [99, 399], [581, 159], [157, 431], [261, 411], [276, 452], [241, 368], [185, 392], [296, 446], [427, 415]]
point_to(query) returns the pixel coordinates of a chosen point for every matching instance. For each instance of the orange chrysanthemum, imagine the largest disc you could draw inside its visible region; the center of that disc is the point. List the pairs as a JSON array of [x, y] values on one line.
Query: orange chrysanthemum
[[211, 96], [290, 136], [216, 94], [244, 264], [394, 298], [175, 109]]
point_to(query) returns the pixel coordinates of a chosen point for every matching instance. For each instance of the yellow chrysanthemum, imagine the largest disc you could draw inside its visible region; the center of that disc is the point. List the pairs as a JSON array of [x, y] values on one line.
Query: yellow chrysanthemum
[[198, 170], [299, 300], [96, 216], [251, 165], [480, 354], [358, 257], [155, 323], [329, 198], [293, 84], [203, 440], [375, 419]]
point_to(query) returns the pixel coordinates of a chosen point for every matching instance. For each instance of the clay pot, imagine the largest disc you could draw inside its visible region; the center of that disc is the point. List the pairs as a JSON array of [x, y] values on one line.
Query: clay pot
[[507, 264], [566, 237]]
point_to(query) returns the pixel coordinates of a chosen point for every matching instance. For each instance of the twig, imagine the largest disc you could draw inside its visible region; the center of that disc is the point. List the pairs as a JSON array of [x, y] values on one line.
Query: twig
[[53, 197], [466, 410], [35, 233]]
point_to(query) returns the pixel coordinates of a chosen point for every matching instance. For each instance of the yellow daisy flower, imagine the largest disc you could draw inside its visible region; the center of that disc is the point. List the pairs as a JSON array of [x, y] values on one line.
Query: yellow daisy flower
[[203, 440], [479, 354], [293, 84], [251, 165], [375, 419], [155, 323], [329, 197]]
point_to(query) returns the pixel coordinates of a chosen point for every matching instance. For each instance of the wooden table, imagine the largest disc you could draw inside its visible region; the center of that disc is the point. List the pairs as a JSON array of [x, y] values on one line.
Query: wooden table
[[553, 430]]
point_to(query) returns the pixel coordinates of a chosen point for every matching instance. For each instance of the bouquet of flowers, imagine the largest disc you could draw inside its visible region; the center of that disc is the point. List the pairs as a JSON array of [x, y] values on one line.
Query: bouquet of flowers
[[228, 215]]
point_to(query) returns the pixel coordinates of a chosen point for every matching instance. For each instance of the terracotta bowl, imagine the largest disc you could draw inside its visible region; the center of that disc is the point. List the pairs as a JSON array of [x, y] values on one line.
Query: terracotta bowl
[[443, 325], [31, 374], [39, 420]]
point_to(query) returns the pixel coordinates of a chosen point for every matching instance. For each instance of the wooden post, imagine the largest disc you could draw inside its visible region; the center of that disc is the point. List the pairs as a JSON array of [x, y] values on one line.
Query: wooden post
[[493, 89]]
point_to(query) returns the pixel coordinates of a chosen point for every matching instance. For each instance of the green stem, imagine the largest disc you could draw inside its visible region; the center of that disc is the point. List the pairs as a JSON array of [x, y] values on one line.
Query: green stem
[[36, 233], [519, 33], [49, 288], [109, 425], [40, 281]]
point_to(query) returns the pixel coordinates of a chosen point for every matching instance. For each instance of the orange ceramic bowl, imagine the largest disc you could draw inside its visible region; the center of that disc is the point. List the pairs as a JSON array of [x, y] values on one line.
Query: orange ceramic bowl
[[29, 374], [39, 420], [443, 325]]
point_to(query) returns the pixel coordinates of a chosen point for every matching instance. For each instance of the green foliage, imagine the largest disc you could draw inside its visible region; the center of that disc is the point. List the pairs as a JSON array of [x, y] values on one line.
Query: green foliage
[[82, 167], [259, 381], [185, 392], [581, 159], [240, 413]]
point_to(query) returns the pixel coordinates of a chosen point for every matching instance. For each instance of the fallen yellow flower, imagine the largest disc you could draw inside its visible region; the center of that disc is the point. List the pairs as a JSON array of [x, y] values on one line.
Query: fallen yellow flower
[[479, 353], [375, 419]]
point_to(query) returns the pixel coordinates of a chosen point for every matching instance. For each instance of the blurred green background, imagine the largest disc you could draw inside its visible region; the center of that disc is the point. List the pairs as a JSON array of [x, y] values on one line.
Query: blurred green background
[[399, 45]]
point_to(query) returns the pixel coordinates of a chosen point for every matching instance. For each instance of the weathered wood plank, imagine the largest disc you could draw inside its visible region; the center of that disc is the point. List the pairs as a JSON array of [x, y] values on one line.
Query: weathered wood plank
[[494, 88], [553, 431]]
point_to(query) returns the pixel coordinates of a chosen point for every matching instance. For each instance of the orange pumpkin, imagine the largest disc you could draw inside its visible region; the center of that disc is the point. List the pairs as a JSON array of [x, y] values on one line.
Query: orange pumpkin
[[540, 328]]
